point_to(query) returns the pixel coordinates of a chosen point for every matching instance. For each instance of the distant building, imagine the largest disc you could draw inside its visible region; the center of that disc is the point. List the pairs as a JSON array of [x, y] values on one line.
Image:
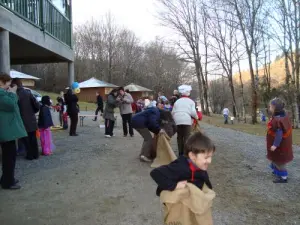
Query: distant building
[[27, 80], [89, 88], [137, 91]]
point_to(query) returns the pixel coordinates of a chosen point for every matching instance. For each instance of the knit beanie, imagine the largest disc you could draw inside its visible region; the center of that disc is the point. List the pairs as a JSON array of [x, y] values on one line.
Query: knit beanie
[[278, 104]]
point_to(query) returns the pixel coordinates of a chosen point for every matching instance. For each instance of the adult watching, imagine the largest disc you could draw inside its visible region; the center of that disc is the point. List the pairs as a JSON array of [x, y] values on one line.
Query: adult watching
[[11, 129]]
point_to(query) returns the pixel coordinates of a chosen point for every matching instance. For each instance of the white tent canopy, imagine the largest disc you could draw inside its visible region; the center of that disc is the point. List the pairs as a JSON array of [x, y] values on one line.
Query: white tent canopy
[[95, 83], [16, 74]]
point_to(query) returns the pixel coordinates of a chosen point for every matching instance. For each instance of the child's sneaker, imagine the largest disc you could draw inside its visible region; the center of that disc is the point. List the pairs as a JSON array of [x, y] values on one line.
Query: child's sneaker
[[107, 136], [280, 180]]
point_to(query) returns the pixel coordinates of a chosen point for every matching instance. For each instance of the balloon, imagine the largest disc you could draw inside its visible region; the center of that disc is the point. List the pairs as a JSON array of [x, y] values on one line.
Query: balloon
[[77, 90], [75, 85]]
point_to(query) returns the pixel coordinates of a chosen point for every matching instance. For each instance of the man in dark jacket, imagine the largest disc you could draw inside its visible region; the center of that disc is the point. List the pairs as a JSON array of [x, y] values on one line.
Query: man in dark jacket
[[29, 106], [144, 122], [72, 109], [99, 105]]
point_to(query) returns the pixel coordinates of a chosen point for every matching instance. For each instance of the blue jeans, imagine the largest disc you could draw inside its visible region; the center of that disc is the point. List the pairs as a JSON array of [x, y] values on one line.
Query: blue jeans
[[225, 119]]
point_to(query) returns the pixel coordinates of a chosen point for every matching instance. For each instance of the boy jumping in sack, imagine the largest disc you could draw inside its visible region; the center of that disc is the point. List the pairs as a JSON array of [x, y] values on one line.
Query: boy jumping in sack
[[191, 167], [279, 141], [183, 185]]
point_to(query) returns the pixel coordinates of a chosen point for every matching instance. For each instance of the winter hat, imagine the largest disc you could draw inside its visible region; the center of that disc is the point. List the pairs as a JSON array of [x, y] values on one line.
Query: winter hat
[[278, 104], [185, 89], [147, 102]]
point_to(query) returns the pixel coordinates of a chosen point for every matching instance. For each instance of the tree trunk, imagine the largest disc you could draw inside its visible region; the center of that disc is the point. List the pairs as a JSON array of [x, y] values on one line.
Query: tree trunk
[[254, 92], [197, 68], [242, 94], [231, 86]]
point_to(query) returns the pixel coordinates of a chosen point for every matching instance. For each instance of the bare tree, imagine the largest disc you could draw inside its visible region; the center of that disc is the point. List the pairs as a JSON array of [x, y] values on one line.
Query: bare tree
[[111, 34], [248, 14], [184, 17], [286, 20], [223, 32]]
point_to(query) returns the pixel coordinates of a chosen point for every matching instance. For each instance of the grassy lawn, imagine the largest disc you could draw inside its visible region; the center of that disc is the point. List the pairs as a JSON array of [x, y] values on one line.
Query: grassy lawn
[[257, 129], [84, 106]]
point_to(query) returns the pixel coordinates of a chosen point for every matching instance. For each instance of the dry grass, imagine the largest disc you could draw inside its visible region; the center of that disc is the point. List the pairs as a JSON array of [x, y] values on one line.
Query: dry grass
[[257, 129]]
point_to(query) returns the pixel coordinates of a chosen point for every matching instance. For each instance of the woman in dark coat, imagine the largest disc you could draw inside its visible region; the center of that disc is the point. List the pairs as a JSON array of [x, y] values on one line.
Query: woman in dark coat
[[71, 101], [109, 111], [29, 106]]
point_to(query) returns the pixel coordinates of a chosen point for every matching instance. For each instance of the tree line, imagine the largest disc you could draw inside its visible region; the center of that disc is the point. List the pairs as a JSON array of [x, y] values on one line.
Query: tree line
[[219, 35], [116, 55]]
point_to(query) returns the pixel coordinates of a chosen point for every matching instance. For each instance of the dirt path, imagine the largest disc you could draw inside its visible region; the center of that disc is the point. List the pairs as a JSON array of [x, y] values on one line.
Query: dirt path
[[92, 180]]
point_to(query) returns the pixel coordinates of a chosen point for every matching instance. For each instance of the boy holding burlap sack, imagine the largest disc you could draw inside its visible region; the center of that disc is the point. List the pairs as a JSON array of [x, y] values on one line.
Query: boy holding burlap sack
[[184, 186]]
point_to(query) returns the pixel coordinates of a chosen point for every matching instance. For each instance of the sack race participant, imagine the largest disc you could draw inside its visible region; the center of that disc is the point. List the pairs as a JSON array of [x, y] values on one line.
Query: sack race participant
[[145, 123], [184, 186], [184, 111], [279, 141]]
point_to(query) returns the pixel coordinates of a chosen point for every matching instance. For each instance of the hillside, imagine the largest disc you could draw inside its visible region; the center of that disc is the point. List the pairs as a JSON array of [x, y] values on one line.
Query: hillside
[[277, 73]]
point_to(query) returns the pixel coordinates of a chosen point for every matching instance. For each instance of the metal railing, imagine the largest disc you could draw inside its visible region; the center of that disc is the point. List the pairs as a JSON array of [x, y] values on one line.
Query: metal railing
[[44, 15]]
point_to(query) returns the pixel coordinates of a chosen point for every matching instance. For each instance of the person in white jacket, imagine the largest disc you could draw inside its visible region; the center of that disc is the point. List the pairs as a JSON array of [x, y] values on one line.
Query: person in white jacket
[[183, 113]]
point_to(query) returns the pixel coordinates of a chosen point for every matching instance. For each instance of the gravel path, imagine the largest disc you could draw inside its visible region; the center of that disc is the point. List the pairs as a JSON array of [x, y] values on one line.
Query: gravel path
[[92, 180]]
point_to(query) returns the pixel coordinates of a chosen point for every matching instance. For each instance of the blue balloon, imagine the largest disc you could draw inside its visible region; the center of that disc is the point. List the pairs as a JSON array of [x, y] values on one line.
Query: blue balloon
[[75, 85]]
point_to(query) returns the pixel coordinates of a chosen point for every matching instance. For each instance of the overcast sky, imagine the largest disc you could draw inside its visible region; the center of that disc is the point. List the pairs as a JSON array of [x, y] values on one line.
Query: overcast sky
[[137, 15]]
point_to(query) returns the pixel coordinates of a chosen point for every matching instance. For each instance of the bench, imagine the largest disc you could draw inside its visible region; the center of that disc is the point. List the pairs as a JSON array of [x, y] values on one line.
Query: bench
[[82, 117]]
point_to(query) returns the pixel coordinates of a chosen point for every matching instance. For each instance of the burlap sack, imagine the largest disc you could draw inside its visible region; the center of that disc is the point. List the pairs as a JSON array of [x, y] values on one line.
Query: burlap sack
[[164, 152], [196, 127], [188, 206]]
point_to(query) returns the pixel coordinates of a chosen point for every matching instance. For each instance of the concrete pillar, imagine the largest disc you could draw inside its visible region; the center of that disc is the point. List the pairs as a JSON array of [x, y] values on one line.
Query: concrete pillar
[[4, 52], [71, 72]]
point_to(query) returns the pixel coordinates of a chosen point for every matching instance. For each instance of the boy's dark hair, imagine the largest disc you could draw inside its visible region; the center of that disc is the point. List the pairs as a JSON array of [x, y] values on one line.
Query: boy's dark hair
[[198, 143], [46, 100], [4, 77], [121, 89]]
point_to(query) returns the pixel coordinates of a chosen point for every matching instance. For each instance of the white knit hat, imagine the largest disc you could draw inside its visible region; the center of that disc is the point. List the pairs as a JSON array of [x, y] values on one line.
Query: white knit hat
[[147, 102], [185, 89]]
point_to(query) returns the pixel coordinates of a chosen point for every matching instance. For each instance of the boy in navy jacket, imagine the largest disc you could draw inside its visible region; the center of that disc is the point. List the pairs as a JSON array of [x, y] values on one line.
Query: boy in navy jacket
[[191, 167]]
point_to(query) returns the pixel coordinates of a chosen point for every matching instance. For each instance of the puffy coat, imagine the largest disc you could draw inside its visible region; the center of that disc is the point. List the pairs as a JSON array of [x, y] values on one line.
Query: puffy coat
[[11, 124], [149, 118]]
